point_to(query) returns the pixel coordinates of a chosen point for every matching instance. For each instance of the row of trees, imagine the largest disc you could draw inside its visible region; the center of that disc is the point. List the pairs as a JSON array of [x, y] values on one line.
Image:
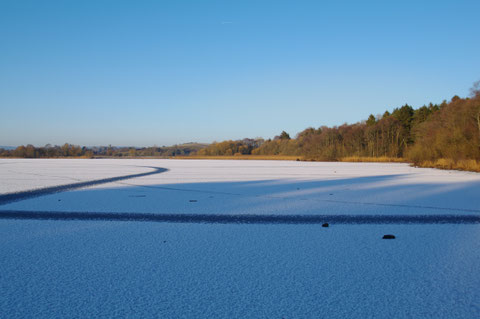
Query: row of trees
[[48, 151], [69, 150], [448, 130], [228, 148], [451, 133], [387, 135], [391, 135]]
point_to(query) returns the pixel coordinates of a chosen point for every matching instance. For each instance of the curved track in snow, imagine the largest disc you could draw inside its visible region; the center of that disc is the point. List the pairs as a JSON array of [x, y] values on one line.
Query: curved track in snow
[[15, 197]]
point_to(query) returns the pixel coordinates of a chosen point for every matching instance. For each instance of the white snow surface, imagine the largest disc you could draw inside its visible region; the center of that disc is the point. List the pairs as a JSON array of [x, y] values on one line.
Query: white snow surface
[[244, 187], [78, 268]]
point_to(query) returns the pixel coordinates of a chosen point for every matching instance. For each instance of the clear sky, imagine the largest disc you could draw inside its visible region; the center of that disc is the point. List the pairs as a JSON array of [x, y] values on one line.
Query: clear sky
[[164, 72]]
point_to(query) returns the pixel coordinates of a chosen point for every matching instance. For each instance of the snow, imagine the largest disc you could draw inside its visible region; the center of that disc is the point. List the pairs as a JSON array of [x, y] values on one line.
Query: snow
[[247, 187], [22, 174], [82, 268]]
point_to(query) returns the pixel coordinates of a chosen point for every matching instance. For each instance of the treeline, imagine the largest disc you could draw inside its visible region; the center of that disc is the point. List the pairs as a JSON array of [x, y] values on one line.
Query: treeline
[[438, 135], [387, 135], [153, 151], [450, 130], [69, 150], [48, 151], [227, 148]]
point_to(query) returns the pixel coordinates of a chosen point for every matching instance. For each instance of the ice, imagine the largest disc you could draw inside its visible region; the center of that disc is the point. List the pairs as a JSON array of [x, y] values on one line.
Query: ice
[[82, 268]]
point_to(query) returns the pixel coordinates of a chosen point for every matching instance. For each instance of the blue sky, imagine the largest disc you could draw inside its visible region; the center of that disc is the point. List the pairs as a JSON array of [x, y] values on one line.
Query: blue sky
[[165, 72]]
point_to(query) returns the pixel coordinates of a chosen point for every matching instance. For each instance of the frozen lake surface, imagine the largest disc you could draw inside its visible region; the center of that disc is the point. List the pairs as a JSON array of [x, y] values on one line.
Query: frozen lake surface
[[247, 239]]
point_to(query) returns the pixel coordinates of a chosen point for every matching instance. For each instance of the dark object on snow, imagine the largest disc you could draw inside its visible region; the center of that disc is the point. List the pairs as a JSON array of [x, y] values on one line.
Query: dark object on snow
[[193, 201], [325, 225], [388, 237]]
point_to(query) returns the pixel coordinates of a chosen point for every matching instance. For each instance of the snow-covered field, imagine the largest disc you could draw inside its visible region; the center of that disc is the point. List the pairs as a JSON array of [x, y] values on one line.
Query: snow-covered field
[[229, 267]]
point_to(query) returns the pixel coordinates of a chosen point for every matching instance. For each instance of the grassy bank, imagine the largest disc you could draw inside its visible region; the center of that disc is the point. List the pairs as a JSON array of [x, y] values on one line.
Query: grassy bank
[[244, 157], [444, 163], [382, 159], [462, 165]]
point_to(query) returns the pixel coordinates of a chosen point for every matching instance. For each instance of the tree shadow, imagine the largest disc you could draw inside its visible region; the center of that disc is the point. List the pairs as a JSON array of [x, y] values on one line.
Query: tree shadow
[[358, 200]]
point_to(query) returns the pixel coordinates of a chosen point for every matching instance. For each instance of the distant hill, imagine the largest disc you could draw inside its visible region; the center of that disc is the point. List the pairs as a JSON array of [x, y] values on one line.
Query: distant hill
[[8, 148]]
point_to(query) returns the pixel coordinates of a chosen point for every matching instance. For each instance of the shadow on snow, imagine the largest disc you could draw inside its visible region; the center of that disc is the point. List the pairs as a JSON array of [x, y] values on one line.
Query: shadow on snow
[[430, 203]]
